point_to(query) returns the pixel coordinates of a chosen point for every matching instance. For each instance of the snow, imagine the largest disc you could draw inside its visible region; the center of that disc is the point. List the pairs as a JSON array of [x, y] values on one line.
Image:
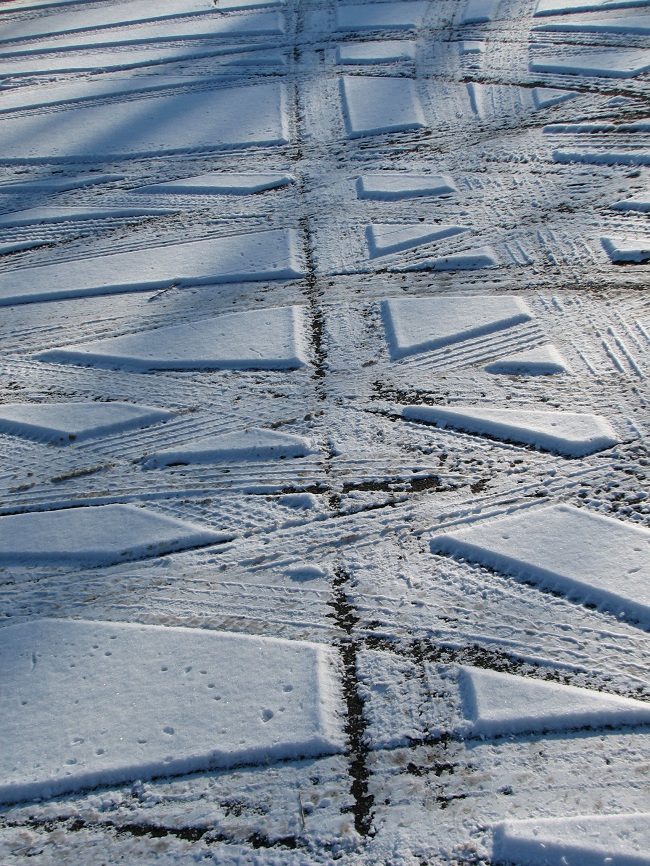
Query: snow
[[262, 256], [639, 202], [385, 238], [372, 106], [386, 51], [97, 535], [542, 361], [172, 123], [563, 7], [608, 63], [498, 704], [405, 15], [576, 840], [603, 157], [392, 186], [415, 325], [632, 24], [78, 713], [59, 184], [62, 423], [545, 97], [479, 11], [250, 444], [42, 215], [221, 183], [569, 549], [627, 249], [268, 339], [573, 434]]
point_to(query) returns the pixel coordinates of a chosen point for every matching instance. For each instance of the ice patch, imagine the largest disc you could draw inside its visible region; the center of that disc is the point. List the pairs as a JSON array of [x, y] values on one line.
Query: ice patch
[[265, 255], [570, 433], [568, 549], [268, 339], [151, 126], [99, 703], [623, 250], [545, 97], [374, 105], [385, 238], [415, 325], [603, 157], [62, 423], [381, 16], [392, 186], [96, 535], [634, 25], [252, 443], [221, 183], [41, 215], [607, 63], [542, 361], [386, 51], [580, 840], [479, 11], [498, 703], [563, 7]]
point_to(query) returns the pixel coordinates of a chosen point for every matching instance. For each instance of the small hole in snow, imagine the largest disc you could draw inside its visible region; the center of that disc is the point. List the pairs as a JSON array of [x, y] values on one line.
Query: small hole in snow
[[168, 730], [267, 715]]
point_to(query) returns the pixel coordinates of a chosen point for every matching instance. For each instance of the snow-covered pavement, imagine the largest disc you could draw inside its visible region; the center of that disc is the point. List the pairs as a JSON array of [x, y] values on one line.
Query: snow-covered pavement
[[325, 347]]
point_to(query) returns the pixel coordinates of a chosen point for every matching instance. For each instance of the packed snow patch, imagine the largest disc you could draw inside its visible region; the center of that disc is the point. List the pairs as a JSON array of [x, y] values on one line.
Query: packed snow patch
[[499, 703], [265, 255], [395, 185], [97, 535], [386, 238], [612, 156], [541, 361], [221, 183], [270, 339], [415, 325], [640, 202], [622, 250], [100, 703], [564, 7], [580, 840], [386, 51], [638, 25], [406, 15], [374, 105], [252, 443], [45, 215], [62, 423], [545, 97], [599, 559], [607, 63], [479, 11]]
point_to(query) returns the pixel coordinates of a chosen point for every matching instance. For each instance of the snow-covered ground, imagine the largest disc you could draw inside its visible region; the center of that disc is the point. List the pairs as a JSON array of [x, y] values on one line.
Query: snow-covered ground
[[325, 347]]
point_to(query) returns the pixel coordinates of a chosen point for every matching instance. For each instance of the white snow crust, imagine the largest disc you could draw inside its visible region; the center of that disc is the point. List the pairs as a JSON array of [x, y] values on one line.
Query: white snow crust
[[386, 51], [270, 339], [393, 186], [415, 325], [252, 443], [498, 703], [570, 549], [96, 535], [627, 249], [41, 215], [632, 24], [639, 202], [479, 11], [374, 105], [406, 15], [563, 7], [77, 712], [222, 183], [545, 97], [270, 255]]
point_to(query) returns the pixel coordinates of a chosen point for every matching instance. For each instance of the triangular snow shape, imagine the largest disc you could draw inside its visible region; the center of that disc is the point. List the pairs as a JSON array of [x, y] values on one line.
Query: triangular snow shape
[[568, 433], [542, 361], [97, 535], [545, 97], [62, 423], [415, 325], [250, 444], [498, 703], [633, 250], [101, 703], [594, 558], [581, 840], [385, 238], [268, 339]]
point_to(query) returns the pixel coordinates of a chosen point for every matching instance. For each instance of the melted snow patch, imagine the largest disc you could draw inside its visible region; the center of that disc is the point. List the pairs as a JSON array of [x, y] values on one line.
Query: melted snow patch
[[373, 105], [607, 62], [563, 7], [580, 840], [498, 703], [565, 548], [405, 15], [96, 703], [96, 535], [622, 250], [62, 423], [385, 238], [393, 185], [545, 97], [250, 444], [542, 361], [222, 183], [261, 256], [415, 325], [270, 339], [635, 25], [151, 126], [386, 51], [570, 433]]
